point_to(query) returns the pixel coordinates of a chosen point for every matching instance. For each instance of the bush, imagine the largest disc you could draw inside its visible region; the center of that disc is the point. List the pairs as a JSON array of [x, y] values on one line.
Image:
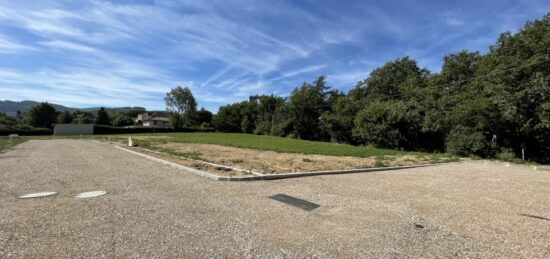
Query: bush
[[122, 121], [507, 155], [26, 132], [467, 141], [228, 118], [104, 130], [387, 124]]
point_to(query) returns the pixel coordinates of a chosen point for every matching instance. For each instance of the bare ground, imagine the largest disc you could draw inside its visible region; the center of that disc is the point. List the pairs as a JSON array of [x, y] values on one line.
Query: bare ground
[[469, 209], [274, 162], [189, 163]]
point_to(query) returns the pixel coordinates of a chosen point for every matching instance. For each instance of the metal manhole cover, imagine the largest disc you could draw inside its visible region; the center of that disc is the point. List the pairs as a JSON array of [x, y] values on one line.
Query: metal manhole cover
[[91, 194], [37, 195], [302, 204]]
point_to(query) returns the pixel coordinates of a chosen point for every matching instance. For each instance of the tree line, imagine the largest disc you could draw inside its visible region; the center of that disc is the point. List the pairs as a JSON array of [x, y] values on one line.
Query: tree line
[[44, 115], [180, 103], [493, 104]]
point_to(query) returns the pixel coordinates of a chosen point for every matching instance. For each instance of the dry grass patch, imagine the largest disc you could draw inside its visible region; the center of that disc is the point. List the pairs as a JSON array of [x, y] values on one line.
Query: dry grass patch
[[269, 162], [190, 163]]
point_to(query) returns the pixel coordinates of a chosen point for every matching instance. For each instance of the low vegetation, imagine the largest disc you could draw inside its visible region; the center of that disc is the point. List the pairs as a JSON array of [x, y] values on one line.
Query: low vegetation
[[263, 142], [273, 155], [4, 143]]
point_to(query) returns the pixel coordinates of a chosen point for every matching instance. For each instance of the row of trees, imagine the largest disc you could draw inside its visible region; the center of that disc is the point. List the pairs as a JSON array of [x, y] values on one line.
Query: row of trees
[[180, 102], [484, 105], [45, 115], [102, 117]]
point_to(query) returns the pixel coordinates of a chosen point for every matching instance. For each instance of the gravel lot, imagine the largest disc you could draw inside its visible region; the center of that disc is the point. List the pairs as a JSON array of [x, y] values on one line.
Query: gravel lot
[[466, 210]]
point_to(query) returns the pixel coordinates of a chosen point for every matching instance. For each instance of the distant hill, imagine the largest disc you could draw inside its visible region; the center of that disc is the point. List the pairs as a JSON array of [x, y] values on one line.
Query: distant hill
[[11, 107]]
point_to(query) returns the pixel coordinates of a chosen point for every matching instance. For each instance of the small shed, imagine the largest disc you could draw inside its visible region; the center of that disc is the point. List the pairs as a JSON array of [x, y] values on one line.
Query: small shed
[[73, 129]]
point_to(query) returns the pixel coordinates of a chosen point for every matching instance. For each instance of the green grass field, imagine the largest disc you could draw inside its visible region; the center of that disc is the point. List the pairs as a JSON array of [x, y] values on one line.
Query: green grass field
[[4, 143], [277, 144]]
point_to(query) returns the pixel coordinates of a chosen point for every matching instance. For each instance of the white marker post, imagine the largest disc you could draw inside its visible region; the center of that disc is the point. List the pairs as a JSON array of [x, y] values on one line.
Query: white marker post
[[11, 137], [130, 142]]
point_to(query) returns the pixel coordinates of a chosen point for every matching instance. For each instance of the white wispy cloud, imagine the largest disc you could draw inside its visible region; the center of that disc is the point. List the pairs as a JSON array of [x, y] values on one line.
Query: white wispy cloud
[[7, 46], [66, 45], [94, 52], [304, 70], [204, 33], [453, 18]]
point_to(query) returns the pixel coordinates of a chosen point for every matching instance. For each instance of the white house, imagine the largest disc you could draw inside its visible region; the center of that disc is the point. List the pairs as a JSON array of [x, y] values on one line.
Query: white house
[[155, 119]]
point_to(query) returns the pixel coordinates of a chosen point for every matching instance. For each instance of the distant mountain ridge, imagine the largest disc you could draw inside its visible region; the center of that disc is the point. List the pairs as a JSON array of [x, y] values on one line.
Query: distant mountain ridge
[[11, 107]]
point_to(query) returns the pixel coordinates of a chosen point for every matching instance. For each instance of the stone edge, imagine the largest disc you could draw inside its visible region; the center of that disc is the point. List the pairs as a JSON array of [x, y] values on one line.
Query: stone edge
[[274, 176]]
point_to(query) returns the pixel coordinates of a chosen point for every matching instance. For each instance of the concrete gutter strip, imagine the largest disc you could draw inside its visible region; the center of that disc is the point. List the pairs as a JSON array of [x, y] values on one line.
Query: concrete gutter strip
[[314, 173], [204, 162], [181, 167], [273, 176]]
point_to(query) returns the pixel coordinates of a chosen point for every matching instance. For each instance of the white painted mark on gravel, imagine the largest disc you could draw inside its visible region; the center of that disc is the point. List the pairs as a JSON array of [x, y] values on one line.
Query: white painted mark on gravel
[[91, 194], [37, 195]]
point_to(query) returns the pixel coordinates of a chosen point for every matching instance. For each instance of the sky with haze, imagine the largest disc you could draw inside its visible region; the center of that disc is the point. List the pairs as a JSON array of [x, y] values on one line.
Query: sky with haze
[[130, 53]]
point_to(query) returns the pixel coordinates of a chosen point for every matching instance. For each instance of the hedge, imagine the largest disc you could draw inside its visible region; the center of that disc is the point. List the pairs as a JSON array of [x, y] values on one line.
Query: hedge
[[102, 130], [26, 132]]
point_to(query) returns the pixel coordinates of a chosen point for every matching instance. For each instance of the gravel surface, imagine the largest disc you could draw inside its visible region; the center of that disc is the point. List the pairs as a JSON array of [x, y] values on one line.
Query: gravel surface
[[473, 209]]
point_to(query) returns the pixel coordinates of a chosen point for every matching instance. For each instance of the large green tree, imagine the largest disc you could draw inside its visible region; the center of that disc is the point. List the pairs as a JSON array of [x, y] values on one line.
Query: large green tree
[[180, 101], [388, 124], [228, 118], [103, 117], [83, 117], [307, 104], [42, 115], [65, 117], [266, 112], [203, 116]]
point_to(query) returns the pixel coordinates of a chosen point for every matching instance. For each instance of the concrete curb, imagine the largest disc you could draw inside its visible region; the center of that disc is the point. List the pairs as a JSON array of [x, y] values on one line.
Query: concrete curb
[[203, 162], [274, 176], [181, 167]]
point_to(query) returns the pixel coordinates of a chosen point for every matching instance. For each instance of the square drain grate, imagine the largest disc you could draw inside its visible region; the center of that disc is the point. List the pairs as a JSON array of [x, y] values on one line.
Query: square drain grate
[[302, 204]]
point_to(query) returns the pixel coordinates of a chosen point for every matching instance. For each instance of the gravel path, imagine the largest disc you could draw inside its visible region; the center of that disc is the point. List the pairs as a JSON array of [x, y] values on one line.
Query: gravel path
[[466, 210]]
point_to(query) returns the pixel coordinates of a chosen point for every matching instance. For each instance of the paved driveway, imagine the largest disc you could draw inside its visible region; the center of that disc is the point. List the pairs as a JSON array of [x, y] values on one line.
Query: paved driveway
[[151, 210]]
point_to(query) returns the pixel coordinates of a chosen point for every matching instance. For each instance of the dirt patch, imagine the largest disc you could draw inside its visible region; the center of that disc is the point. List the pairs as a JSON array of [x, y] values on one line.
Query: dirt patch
[[189, 163], [269, 162]]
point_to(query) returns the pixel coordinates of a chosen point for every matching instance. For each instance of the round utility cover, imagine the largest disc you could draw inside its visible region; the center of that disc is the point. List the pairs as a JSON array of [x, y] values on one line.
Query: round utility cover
[[91, 194], [37, 195]]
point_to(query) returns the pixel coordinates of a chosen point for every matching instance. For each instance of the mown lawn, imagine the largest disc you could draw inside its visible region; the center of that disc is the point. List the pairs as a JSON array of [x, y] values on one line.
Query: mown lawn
[[4, 142], [279, 144]]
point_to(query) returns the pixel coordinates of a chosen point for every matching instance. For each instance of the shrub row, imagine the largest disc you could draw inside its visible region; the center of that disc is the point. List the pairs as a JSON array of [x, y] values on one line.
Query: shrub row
[[103, 130], [26, 132]]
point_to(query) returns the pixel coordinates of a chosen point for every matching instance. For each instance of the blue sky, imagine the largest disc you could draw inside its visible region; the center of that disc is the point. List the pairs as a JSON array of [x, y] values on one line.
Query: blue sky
[[130, 53]]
